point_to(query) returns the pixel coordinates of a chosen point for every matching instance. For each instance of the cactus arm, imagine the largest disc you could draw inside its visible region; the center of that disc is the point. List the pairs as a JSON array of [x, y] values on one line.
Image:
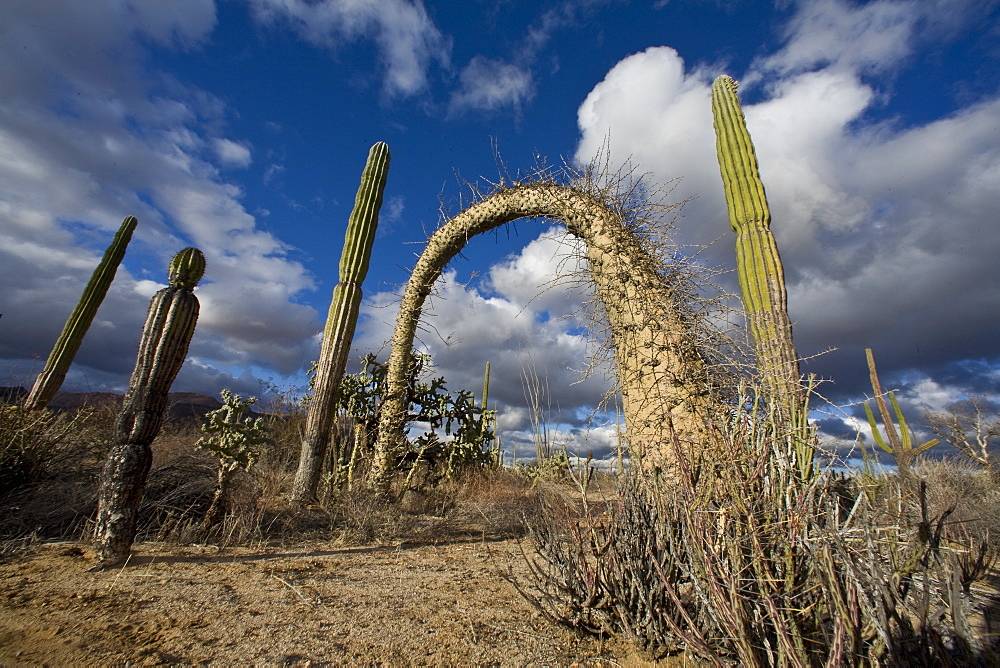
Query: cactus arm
[[907, 433], [484, 416], [486, 385], [166, 336], [52, 376], [895, 443], [876, 435], [906, 437], [341, 322], [900, 442], [759, 267]]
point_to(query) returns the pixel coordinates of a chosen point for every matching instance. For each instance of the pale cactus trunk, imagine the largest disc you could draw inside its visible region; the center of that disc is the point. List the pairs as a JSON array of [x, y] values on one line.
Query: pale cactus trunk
[[52, 376], [170, 324], [341, 323], [662, 374]]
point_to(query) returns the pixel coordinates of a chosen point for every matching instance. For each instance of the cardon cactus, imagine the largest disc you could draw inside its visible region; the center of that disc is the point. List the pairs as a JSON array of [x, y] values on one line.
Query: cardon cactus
[[52, 376], [341, 322], [761, 276], [170, 324]]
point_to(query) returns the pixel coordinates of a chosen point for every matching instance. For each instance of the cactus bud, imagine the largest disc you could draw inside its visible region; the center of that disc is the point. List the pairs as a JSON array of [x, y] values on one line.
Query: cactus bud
[[186, 269]]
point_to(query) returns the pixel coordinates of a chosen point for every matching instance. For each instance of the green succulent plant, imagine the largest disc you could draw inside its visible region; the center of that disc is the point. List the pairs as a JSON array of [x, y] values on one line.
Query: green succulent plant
[[341, 323], [170, 324], [52, 376]]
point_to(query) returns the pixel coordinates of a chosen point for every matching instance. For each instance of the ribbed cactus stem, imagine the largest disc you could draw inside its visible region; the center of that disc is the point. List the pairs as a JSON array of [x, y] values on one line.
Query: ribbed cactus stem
[[761, 276], [170, 324], [52, 376], [486, 398], [341, 323]]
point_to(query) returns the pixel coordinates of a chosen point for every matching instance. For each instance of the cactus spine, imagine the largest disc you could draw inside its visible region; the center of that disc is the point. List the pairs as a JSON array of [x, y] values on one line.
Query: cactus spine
[[341, 322], [170, 324], [761, 276], [52, 376]]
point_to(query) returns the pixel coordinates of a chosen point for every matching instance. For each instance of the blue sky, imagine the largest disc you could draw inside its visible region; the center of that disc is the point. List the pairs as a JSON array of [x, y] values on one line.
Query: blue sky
[[242, 126]]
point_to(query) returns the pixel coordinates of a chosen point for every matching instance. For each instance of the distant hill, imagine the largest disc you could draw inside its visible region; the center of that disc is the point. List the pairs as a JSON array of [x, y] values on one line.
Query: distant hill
[[183, 405]]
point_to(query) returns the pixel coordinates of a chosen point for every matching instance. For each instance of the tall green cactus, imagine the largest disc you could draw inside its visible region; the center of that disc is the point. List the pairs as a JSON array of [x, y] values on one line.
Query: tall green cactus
[[761, 276], [341, 322], [170, 324], [52, 376]]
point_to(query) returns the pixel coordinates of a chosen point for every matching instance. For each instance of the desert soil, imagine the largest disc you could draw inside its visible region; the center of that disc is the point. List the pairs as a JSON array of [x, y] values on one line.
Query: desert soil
[[309, 605]]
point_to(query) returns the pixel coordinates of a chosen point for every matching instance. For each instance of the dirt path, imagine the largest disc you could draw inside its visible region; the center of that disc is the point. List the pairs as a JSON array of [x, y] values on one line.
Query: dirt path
[[315, 604]]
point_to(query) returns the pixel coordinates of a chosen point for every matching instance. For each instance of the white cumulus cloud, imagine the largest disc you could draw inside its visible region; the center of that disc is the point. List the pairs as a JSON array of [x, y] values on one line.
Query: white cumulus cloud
[[884, 228], [487, 84], [232, 154]]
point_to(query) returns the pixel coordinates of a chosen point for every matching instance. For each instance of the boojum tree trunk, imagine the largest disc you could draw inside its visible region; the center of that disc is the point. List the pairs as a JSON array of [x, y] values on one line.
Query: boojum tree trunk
[[761, 275], [170, 324], [662, 375], [341, 323], [52, 376]]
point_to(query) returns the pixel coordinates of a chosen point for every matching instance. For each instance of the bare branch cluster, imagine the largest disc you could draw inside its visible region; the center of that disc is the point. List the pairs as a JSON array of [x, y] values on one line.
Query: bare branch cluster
[[972, 427], [742, 562]]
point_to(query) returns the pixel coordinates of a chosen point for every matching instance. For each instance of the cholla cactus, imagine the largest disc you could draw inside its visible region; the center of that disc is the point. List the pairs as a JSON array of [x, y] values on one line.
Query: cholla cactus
[[170, 323], [61, 357], [341, 323], [236, 442]]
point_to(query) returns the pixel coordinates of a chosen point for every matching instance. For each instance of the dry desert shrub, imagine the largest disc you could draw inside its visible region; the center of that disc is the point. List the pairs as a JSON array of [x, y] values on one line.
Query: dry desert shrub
[[49, 465], [742, 561], [958, 488]]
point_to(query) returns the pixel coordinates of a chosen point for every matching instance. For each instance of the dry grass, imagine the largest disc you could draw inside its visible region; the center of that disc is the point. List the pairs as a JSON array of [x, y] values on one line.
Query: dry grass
[[59, 500], [740, 561], [967, 493]]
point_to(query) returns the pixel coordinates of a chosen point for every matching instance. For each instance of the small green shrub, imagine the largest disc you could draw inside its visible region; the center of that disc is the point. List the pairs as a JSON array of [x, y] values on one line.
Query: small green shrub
[[236, 441], [548, 468], [458, 435]]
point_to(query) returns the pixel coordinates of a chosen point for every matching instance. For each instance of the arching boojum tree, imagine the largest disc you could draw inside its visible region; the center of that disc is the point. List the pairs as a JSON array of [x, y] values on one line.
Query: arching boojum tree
[[662, 374]]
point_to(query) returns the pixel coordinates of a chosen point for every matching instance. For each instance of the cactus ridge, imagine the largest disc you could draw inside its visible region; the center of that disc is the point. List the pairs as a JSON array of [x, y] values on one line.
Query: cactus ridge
[[173, 314], [360, 230], [166, 336], [761, 275], [745, 194]]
